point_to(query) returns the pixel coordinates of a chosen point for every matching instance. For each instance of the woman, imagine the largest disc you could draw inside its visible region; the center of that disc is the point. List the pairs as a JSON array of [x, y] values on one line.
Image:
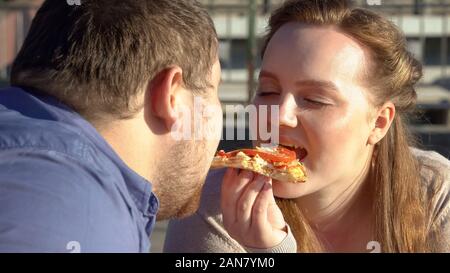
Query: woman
[[344, 83]]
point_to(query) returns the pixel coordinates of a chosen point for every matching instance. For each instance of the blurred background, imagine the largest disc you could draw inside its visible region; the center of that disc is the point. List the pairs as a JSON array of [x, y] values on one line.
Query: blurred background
[[240, 25]]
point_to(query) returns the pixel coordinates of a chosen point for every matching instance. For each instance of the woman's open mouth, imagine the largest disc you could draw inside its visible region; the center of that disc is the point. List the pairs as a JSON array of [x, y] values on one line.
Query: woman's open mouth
[[299, 151]]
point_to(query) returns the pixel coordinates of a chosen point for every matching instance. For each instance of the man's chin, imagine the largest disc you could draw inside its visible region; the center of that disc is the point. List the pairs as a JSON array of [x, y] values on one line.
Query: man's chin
[[188, 209], [183, 213], [191, 207], [186, 213]]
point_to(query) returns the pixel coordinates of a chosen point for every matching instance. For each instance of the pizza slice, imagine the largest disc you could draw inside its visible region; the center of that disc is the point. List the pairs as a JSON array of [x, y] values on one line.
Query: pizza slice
[[279, 163]]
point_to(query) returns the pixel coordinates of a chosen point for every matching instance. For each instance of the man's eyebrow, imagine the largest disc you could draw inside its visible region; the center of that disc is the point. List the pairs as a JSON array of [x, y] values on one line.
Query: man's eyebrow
[[328, 85]]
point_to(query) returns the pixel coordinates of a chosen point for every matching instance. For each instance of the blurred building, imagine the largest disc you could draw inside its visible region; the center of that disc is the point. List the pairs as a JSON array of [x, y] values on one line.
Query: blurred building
[[425, 23], [15, 19]]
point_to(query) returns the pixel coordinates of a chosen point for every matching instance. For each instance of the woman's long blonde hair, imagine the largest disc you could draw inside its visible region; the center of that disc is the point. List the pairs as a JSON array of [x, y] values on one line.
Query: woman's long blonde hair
[[399, 203]]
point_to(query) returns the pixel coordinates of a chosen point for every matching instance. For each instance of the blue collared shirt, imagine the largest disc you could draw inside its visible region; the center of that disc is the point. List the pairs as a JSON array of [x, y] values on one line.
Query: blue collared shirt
[[62, 187]]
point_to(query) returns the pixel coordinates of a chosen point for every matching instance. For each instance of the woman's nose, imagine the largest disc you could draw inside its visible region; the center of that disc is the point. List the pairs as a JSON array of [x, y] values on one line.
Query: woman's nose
[[288, 109]]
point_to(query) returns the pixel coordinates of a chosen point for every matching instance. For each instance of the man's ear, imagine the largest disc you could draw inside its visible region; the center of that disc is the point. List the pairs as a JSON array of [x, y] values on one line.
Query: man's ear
[[163, 92], [381, 123]]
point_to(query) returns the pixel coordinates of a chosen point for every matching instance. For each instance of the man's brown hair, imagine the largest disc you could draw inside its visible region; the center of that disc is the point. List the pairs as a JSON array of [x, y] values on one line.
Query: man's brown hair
[[96, 57]]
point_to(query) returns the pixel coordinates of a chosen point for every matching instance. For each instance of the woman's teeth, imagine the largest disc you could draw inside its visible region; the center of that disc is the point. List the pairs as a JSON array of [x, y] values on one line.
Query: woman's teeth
[[300, 152], [291, 146]]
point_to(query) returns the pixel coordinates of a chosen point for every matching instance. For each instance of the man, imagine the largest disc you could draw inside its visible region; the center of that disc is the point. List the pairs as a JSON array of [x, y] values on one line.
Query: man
[[90, 153]]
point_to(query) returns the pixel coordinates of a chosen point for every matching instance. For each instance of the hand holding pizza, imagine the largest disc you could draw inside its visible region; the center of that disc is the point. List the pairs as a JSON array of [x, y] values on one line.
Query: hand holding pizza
[[250, 214]]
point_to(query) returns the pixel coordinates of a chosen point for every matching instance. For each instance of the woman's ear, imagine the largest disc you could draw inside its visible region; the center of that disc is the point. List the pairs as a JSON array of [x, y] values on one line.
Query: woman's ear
[[381, 123], [163, 95]]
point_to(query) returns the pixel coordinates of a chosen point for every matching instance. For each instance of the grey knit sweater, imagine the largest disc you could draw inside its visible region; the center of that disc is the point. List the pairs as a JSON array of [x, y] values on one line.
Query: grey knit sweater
[[204, 232]]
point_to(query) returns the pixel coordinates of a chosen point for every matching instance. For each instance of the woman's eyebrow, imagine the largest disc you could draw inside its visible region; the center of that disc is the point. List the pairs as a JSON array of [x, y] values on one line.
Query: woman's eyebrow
[[327, 85], [267, 74]]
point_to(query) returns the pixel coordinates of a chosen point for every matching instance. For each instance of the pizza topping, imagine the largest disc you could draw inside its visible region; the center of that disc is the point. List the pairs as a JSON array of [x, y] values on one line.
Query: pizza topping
[[272, 162], [260, 161], [221, 153], [242, 155], [274, 155]]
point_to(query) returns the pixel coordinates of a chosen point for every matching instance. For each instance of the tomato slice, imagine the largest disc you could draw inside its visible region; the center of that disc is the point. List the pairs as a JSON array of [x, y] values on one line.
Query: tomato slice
[[280, 154], [222, 153]]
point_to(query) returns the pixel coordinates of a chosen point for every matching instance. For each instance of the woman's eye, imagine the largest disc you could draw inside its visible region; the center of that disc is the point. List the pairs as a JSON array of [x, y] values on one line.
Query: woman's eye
[[316, 102], [264, 94], [313, 101]]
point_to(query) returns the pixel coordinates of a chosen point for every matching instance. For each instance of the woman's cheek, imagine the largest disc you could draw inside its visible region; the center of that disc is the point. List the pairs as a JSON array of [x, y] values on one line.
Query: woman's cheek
[[328, 138], [341, 146]]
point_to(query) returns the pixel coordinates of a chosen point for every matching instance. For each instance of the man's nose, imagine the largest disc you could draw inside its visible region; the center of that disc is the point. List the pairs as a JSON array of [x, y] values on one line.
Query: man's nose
[[288, 109]]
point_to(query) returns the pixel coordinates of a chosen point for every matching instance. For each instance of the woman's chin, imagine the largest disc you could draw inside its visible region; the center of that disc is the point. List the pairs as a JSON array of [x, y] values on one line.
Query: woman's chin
[[289, 190]]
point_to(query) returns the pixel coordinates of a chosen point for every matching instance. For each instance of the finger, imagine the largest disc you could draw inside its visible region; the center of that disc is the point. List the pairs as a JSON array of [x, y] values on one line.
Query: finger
[[229, 172], [274, 214], [228, 178], [232, 188], [266, 212], [260, 222], [247, 200]]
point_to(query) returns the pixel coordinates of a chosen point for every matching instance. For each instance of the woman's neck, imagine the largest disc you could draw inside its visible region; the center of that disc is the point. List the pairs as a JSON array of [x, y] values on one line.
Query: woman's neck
[[341, 214]]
